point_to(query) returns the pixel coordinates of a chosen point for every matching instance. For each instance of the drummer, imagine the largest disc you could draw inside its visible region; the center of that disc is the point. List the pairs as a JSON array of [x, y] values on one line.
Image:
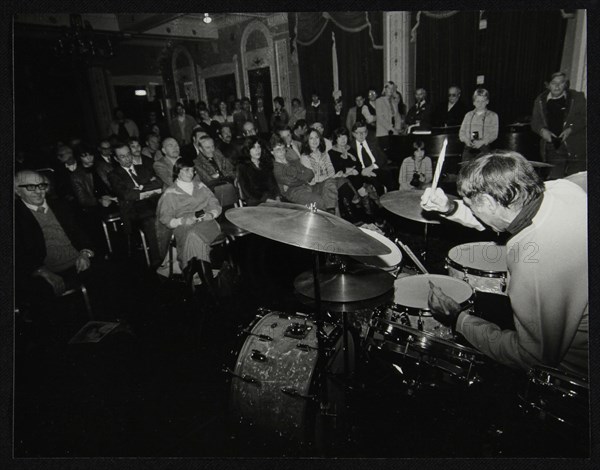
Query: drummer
[[546, 260]]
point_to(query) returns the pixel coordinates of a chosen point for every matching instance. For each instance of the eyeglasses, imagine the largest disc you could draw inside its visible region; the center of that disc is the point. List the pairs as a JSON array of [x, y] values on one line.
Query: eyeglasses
[[452, 94], [33, 187]]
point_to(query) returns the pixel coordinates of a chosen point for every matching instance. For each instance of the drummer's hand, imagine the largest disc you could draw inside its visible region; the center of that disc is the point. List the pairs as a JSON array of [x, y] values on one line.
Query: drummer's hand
[[444, 309], [435, 201]]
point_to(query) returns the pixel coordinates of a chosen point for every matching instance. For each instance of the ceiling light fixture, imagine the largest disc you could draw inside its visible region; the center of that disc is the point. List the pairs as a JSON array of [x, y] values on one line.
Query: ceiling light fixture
[[207, 19]]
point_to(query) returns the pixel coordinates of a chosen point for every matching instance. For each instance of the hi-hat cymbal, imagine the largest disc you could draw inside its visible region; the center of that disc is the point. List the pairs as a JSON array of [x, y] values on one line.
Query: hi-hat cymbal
[[348, 284], [300, 226]]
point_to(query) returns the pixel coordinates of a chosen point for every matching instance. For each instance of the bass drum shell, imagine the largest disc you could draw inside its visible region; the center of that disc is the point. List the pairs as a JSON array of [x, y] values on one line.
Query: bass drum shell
[[481, 264], [274, 399]]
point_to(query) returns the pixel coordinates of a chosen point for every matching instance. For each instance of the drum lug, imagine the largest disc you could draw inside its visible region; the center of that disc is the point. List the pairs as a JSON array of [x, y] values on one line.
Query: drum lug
[[292, 392], [466, 276], [258, 356]]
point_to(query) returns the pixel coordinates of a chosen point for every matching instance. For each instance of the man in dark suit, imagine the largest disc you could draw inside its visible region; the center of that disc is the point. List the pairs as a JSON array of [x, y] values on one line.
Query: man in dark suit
[[51, 250], [419, 115], [373, 160], [138, 191], [104, 163], [216, 172], [452, 112]]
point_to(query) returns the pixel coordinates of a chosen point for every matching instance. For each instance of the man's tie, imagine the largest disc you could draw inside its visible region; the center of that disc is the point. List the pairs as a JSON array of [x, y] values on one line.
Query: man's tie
[[41, 209], [133, 175], [366, 158]]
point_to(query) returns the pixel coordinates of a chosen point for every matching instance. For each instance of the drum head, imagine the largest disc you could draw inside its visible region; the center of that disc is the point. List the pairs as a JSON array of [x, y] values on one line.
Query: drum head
[[481, 256], [413, 291], [390, 260]]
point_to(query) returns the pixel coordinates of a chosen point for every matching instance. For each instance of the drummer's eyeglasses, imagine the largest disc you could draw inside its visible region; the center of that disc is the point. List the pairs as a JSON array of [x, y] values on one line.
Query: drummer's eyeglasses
[[33, 187]]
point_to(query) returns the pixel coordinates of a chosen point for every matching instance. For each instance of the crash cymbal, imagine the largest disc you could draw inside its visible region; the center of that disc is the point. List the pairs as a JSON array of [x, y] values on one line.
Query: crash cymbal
[[407, 204], [346, 284], [303, 227]]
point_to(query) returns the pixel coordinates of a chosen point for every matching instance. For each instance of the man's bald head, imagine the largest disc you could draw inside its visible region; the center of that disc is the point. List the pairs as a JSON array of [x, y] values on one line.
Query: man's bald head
[[170, 147]]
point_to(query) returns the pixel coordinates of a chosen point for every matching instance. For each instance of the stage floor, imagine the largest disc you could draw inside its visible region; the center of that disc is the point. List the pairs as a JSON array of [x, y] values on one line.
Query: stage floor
[[156, 387]]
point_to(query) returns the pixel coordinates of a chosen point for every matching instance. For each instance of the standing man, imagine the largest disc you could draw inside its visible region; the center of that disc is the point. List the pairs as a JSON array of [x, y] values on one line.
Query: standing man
[[317, 111], [419, 115], [389, 121], [260, 118], [121, 127], [360, 112], [182, 125], [559, 118], [546, 257], [450, 113]]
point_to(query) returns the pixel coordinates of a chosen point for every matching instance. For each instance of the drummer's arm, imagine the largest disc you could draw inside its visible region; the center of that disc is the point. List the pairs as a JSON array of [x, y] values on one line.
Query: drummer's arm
[[513, 348], [461, 214]]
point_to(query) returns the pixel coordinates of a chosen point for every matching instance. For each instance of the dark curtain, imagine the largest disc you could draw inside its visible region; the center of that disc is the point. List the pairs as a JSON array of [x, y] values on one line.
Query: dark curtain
[[520, 52], [516, 54], [446, 55], [359, 64]]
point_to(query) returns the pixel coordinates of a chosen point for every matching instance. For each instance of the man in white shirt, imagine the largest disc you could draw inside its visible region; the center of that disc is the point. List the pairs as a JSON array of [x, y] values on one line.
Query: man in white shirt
[[373, 161]]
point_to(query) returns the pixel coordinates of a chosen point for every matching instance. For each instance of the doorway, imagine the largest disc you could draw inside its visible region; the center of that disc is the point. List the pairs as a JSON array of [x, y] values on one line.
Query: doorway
[[260, 87]]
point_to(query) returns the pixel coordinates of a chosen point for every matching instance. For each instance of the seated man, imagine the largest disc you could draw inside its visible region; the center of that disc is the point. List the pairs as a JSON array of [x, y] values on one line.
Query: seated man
[[225, 145], [163, 168], [216, 172], [51, 250], [292, 147], [138, 157], [546, 259], [373, 161], [138, 191]]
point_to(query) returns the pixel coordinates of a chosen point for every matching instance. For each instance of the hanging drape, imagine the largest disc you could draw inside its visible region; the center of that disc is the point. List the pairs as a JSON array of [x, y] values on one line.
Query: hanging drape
[[359, 46], [516, 53]]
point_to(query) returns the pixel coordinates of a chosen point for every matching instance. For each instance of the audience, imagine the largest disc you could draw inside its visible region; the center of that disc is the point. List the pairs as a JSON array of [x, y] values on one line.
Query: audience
[[136, 152], [152, 148], [479, 127], [225, 145], [361, 112], [261, 120], [51, 248], [280, 117], [189, 209], [222, 116], [559, 118], [298, 112], [389, 120], [292, 147], [182, 125], [317, 111], [137, 189], [255, 173], [122, 128], [450, 113], [293, 178], [415, 171], [216, 172], [419, 114], [163, 168]]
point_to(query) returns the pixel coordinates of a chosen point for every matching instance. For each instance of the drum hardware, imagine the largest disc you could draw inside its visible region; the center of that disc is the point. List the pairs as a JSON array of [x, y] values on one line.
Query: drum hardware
[[246, 378], [297, 330], [292, 392], [412, 256], [258, 356]]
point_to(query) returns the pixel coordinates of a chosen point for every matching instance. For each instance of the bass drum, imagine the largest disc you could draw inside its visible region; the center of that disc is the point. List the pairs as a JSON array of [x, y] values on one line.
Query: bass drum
[[275, 386], [481, 264]]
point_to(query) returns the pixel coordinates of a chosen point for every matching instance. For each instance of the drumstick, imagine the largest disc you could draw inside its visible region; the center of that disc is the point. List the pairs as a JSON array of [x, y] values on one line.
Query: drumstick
[[438, 167], [413, 257]]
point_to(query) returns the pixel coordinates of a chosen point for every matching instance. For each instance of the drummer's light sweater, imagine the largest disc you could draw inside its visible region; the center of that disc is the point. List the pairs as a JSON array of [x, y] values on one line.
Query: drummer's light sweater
[[548, 287]]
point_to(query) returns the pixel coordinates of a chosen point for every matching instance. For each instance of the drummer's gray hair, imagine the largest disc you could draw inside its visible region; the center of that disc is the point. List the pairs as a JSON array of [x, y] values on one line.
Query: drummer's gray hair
[[505, 175]]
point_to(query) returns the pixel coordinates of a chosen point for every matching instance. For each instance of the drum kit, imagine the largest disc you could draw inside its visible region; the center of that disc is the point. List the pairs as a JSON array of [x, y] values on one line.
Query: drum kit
[[294, 371]]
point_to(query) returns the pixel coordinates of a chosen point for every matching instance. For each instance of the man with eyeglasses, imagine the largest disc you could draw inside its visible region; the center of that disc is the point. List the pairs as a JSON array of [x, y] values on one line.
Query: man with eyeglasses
[[419, 115], [451, 112], [51, 249]]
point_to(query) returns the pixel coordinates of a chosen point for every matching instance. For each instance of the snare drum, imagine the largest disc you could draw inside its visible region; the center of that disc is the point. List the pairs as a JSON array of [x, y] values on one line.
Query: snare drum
[[481, 264], [424, 350], [559, 398], [274, 382], [389, 262]]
